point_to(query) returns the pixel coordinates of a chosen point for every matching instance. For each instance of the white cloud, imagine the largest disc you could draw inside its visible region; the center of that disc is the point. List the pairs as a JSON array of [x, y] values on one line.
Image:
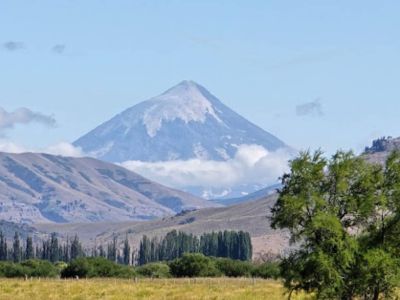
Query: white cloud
[[24, 116], [252, 164], [62, 148], [10, 147]]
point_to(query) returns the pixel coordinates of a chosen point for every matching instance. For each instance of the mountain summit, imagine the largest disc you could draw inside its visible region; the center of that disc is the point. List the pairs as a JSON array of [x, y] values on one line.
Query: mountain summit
[[184, 122]]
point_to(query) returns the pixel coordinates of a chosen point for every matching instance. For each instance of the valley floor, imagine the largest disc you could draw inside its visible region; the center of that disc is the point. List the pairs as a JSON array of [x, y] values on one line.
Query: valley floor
[[179, 289]]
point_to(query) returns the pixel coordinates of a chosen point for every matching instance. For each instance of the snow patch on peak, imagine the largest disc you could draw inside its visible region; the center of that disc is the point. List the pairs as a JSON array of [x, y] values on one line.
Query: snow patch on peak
[[200, 152], [184, 101]]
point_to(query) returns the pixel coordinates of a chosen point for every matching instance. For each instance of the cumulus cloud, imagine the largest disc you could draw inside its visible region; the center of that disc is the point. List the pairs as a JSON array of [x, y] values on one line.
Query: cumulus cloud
[[10, 147], [58, 49], [24, 116], [310, 108], [62, 148], [252, 164], [13, 46]]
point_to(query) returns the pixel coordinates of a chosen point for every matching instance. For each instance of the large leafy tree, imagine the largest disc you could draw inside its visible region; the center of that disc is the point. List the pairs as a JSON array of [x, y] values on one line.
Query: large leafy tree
[[343, 215]]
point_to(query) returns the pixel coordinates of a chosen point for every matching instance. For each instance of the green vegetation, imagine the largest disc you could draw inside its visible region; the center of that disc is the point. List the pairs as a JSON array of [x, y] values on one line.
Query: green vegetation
[[31, 268], [154, 270], [97, 267], [231, 244], [344, 216], [194, 265], [189, 265]]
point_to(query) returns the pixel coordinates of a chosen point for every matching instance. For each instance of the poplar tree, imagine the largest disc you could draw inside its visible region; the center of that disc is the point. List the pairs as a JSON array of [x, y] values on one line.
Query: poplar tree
[[29, 251]]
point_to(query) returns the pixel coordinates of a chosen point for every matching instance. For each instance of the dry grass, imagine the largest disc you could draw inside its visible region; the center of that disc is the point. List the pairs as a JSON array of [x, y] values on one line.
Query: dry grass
[[179, 289]]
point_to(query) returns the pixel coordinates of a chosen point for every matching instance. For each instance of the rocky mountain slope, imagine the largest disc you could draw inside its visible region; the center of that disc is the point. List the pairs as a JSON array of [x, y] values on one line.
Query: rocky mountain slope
[[46, 188], [184, 122], [380, 149]]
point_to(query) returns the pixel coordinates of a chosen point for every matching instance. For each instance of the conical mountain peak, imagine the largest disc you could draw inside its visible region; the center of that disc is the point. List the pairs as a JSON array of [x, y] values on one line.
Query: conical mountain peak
[[189, 87], [184, 122]]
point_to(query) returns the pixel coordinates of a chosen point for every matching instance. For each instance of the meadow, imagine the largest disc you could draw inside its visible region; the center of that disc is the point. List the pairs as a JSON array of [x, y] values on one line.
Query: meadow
[[179, 289]]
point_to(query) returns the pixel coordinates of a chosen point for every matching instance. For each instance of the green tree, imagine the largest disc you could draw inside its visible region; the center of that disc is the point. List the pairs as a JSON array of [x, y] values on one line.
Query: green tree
[[339, 213], [29, 252], [76, 249], [144, 251], [3, 247], [126, 251], [16, 248], [54, 250]]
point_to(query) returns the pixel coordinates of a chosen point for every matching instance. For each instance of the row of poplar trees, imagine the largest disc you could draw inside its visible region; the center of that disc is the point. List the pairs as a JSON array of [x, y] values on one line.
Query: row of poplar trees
[[54, 250], [230, 244], [50, 249]]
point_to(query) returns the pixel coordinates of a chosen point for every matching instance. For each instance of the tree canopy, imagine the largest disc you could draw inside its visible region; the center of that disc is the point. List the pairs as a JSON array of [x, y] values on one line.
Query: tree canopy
[[343, 215]]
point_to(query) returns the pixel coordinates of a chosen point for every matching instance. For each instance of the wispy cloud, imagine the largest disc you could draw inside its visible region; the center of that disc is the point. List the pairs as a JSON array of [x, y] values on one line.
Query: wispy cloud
[[13, 46], [24, 116], [62, 148], [58, 49], [313, 108]]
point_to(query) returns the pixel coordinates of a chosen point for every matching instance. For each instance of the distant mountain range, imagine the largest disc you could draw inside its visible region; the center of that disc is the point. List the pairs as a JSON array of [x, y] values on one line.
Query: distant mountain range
[[45, 188], [250, 213], [260, 194], [183, 123]]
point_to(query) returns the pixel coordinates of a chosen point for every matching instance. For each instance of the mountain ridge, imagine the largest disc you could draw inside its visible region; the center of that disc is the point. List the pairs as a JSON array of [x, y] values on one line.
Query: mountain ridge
[[37, 187]]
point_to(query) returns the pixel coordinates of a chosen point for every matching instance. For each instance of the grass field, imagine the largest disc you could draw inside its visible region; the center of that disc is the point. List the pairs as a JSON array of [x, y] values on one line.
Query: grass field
[[182, 289]]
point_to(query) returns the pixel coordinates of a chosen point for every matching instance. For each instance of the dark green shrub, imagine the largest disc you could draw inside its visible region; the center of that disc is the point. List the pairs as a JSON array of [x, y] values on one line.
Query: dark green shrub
[[78, 267], [40, 268], [97, 267], [154, 270], [267, 270], [60, 265], [9, 269], [101, 267], [194, 265], [234, 268]]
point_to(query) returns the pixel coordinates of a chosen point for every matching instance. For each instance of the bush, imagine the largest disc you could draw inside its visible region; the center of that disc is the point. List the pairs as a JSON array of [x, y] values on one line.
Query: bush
[[267, 270], [78, 267], [32, 267], [60, 265], [97, 267], [234, 268], [40, 268], [154, 270], [9, 269], [194, 265]]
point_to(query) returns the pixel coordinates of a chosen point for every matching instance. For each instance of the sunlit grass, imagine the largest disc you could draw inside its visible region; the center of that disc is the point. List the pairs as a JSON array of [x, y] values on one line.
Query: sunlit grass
[[180, 289]]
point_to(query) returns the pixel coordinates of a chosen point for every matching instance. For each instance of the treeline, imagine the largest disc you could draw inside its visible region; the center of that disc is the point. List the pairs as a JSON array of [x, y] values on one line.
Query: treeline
[[50, 249], [189, 265], [53, 250], [229, 244]]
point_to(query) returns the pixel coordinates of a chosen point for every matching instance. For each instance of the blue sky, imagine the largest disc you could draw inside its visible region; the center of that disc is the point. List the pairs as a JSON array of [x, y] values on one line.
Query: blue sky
[[85, 61]]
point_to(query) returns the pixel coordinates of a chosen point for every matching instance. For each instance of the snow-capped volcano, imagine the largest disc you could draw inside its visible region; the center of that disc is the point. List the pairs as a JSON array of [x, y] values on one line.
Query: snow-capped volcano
[[185, 122]]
